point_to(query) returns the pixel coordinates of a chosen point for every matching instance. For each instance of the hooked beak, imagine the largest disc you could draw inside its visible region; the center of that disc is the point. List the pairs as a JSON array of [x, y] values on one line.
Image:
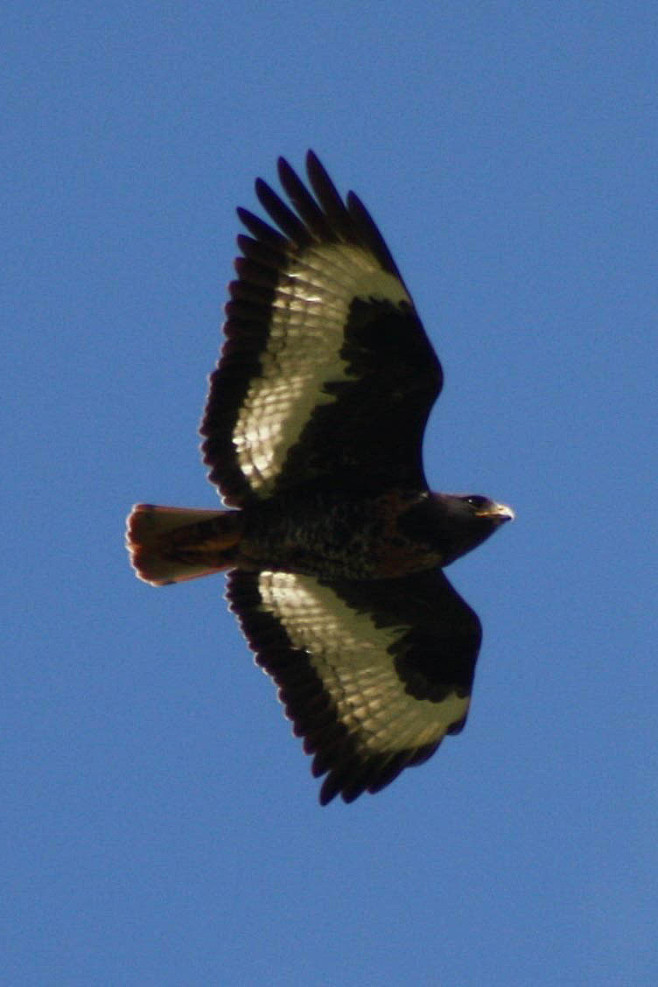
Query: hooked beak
[[497, 512]]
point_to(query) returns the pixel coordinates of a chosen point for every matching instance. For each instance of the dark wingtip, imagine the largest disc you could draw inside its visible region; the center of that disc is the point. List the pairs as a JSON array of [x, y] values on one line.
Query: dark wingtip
[[283, 165]]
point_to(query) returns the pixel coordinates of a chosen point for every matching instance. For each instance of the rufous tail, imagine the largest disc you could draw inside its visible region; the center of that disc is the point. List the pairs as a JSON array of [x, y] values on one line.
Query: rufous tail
[[172, 544]]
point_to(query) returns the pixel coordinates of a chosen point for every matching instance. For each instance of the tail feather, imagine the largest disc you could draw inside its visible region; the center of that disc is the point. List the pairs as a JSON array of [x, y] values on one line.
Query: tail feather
[[173, 544]]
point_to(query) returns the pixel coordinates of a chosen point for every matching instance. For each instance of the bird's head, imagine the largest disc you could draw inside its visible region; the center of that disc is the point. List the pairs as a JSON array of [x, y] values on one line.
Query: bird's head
[[464, 521]]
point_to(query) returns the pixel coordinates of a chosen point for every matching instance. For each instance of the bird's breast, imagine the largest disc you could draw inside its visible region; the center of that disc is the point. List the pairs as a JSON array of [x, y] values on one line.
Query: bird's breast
[[337, 537]]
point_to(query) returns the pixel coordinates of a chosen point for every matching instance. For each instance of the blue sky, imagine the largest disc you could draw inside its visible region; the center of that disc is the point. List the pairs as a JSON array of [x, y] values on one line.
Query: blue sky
[[161, 822]]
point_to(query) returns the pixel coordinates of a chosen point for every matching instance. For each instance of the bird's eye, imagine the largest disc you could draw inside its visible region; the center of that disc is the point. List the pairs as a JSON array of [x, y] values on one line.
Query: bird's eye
[[477, 502]]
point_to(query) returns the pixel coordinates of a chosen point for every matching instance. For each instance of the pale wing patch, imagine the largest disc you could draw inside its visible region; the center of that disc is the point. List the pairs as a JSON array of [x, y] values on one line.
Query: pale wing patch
[[351, 655], [309, 314]]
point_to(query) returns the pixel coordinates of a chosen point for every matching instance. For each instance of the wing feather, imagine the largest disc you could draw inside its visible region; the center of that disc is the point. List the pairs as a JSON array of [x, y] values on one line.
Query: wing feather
[[326, 374], [285, 218], [373, 675]]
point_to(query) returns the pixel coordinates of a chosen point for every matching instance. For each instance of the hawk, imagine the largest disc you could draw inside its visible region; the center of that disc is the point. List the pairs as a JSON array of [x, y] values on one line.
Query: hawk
[[333, 542]]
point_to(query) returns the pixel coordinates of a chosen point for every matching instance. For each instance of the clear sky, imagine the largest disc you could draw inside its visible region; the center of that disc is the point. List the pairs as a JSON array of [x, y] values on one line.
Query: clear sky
[[160, 822]]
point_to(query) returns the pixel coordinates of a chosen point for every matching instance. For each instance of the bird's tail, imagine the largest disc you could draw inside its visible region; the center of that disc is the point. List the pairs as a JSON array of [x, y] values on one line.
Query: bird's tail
[[172, 544]]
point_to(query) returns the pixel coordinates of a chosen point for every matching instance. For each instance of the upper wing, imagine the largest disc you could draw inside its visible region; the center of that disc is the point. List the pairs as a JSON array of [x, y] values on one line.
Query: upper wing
[[372, 674], [326, 372]]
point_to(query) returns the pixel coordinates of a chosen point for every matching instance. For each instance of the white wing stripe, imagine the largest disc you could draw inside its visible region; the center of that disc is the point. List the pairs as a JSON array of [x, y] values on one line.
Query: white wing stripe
[[351, 655], [309, 313]]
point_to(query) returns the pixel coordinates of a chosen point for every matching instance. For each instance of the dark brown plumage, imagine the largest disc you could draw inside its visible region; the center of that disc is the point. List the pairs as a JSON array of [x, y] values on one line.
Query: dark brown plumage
[[313, 430]]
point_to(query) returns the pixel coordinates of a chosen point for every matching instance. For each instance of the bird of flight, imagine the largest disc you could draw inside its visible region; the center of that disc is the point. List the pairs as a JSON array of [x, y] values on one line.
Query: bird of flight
[[333, 543]]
